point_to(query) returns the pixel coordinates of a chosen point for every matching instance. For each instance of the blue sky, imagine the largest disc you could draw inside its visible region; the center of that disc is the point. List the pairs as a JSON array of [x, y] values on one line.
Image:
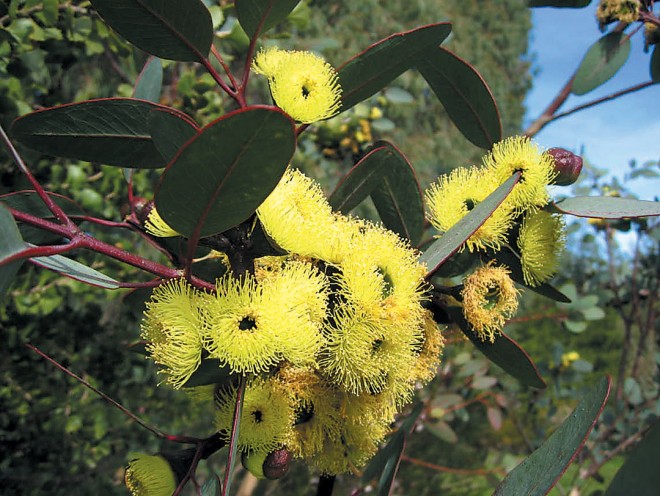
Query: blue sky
[[611, 133]]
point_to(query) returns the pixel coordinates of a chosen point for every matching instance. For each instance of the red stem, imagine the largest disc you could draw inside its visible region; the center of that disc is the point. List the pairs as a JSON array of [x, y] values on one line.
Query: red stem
[[218, 79], [233, 440]]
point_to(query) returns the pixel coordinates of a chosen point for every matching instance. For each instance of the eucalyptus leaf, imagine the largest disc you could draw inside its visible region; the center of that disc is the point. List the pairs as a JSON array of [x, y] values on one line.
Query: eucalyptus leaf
[[571, 4], [605, 207], [540, 471], [258, 16], [219, 178], [150, 81], [112, 131], [11, 243], [175, 30], [76, 270], [602, 61], [654, 68], [377, 66], [464, 94]]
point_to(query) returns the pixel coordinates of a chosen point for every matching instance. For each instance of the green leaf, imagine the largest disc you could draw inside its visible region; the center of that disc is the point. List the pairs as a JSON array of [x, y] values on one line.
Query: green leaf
[[76, 270], [150, 81], [209, 372], [386, 463], [507, 258], [451, 241], [377, 66], [30, 202], [11, 243], [604, 207], [540, 471], [357, 183], [226, 171], [169, 132], [655, 65], [110, 131], [603, 59], [398, 196], [504, 352], [176, 30], [639, 474], [464, 94], [258, 16], [571, 4], [443, 431]]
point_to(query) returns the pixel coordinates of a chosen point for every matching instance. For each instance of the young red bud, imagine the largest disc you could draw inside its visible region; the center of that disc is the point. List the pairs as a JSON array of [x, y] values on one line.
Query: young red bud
[[567, 164], [277, 464]]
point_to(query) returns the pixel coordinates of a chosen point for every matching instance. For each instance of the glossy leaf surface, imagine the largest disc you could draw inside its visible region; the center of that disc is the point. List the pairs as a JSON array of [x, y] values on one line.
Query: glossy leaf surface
[[603, 59], [377, 66], [28, 201], [359, 182], [504, 352], [385, 463], [605, 207], [224, 173], [109, 131], [11, 243], [398, 196], [541, 470], [169, 133], [261, 15], [449, 242], [150, 81], [639, 474], [176, 30], [76, 270], [464, 94]]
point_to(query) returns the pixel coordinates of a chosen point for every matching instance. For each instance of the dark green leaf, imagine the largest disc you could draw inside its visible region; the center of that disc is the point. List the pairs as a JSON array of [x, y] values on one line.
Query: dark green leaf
[[639, 474], [76, 270], [507, 258], [209, 372], [176, 30], [224, 173], [109, 131], [464, 94], [655, 65], [29, 202], [10, 244], [386, 463], [605, 207], [504, 352], [539, 472], [377, 66], [357, 183], [169, 132], [451, 241], [573, 4], [150, 81], [258, 16], [603, 59], [398, 196]]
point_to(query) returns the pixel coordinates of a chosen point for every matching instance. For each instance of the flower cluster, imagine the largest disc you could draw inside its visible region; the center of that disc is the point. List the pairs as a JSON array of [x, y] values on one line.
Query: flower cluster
[[331, 336], [519, 221], [618, 10]]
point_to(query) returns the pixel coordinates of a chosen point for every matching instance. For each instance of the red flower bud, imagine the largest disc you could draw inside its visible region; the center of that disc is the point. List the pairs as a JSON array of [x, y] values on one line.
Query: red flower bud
[[277, 464], [567, 164]]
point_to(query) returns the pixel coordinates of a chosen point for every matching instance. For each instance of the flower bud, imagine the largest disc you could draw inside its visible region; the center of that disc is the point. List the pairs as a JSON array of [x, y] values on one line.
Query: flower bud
[[567, 164], [277, 464], [254, 463]]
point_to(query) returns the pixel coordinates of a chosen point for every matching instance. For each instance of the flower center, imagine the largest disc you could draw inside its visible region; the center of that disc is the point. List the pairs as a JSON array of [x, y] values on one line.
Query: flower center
[[258, 416], [247, 324]]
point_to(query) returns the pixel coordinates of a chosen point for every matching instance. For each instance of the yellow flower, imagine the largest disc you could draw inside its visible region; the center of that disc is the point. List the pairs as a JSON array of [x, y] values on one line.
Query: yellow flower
[[428, 361], [174, 323], [316, 407], [541, 242], [297, 215], [515, 154], [266, 418], [302, 84], [489, 298], [150, 475], [453, 196], [156, 226], [620, 10], [568, 358]]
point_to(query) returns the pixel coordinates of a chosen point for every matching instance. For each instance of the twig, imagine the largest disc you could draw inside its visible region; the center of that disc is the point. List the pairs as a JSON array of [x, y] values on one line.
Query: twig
[[451, 470], [233, 440]]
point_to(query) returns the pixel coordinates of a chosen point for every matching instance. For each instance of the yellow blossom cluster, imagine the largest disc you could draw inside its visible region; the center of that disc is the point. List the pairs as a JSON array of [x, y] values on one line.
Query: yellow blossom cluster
[[618, 10], [331, 336]]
